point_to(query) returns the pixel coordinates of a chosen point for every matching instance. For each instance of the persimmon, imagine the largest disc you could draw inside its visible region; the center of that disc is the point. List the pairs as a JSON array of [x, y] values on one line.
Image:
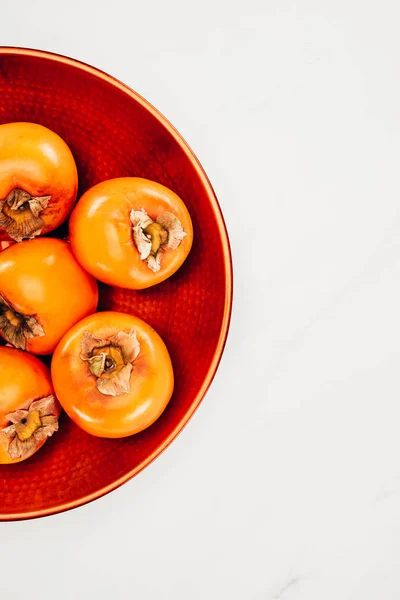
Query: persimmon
[[112, 374], [29, 411], [38, 180], [130, 232], [43, 292]]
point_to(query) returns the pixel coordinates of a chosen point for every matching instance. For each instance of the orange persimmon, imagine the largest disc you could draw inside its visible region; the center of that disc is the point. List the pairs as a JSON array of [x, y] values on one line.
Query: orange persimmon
[[131, 232], [29, 410], [38, 180], [112, 374], [43, 292]]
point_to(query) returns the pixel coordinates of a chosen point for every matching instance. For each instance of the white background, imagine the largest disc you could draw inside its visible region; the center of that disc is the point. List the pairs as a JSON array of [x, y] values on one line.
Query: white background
[[286, 483]]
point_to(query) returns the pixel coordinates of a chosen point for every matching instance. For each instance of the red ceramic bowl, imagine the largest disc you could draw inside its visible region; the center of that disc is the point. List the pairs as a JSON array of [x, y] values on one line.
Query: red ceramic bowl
[[113, 132]]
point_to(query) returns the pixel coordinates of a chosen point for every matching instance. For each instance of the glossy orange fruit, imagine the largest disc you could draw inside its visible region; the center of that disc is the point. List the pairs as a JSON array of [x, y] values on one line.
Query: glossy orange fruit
[[112, 374], [38, 180], [131, 232], [29, 410], [43, 292]]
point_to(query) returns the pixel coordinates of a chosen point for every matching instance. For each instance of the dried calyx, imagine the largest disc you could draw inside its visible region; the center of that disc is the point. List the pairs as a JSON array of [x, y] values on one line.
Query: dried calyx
[[17, 328], [153, 237], [20, 214], [28, 428], [110, 360]]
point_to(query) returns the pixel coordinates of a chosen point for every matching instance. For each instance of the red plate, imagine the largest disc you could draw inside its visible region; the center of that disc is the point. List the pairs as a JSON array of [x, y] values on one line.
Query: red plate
[[113, 132]]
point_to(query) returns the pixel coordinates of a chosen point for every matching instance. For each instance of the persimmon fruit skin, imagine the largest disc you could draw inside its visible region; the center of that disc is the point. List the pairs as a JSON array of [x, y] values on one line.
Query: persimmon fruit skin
[[4, 244]]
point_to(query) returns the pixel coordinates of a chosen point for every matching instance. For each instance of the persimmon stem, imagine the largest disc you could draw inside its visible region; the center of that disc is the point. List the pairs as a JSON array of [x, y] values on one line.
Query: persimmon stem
[[110, 359], [158, 236], [29, 427], [152, 238], [17, 328], [109, 364], [20, 214]]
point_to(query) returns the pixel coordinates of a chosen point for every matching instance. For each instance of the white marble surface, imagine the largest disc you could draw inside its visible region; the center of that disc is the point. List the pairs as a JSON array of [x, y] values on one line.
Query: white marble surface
[[286, 484]]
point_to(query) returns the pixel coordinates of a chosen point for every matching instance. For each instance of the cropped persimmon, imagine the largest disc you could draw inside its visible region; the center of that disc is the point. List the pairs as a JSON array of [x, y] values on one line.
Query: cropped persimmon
[[43, 292], [112, 374], [131, 232], [38, 180], [29, 411]]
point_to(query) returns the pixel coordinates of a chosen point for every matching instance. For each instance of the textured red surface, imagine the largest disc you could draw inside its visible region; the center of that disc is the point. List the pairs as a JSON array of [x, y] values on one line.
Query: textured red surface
[[112, 132]]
